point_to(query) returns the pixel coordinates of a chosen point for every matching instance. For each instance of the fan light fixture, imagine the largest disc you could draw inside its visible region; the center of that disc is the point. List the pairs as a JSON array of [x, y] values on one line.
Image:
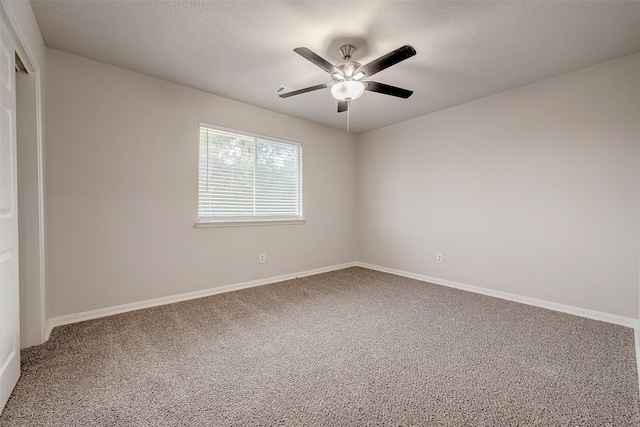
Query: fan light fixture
[[347, 90]]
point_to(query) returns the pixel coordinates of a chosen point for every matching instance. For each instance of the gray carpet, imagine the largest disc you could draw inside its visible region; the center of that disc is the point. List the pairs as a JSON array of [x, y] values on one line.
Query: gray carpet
[[352, 347]]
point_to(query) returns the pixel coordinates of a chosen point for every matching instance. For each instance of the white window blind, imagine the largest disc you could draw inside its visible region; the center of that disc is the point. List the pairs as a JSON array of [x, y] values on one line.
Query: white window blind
[[245, 177]]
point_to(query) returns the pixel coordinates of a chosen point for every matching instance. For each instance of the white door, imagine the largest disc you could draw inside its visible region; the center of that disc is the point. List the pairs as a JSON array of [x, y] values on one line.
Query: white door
[[9, 297]]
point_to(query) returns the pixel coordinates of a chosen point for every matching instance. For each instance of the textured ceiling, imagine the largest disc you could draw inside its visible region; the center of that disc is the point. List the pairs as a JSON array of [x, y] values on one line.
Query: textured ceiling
[[244, 49]]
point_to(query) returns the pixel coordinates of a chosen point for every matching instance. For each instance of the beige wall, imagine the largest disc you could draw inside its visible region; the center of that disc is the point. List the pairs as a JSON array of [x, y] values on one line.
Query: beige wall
[[121, 185], [535, 191]]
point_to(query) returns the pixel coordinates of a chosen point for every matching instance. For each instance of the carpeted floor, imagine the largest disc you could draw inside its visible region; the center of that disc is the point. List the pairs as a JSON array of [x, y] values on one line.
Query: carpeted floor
[[352, 347]]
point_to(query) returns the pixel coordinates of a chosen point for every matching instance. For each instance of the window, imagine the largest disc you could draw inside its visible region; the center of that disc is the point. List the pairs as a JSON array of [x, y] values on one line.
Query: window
[[247, 179]]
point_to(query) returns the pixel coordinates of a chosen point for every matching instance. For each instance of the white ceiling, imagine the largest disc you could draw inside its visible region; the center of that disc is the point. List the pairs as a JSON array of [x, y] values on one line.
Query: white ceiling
[[244, 49]]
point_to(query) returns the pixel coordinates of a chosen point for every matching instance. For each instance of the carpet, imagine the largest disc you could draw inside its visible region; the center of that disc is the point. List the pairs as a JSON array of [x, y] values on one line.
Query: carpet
[[353, 347]]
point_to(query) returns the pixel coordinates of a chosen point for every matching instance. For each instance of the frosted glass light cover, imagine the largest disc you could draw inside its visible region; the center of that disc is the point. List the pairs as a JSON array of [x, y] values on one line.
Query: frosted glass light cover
[[350, 89]]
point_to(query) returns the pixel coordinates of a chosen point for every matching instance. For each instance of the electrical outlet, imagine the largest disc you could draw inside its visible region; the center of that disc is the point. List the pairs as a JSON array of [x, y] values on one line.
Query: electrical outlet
[[262, 258], [439, 258]]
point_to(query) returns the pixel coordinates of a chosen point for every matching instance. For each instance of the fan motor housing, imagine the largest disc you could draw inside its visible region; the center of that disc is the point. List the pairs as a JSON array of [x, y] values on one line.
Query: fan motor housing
[[347, 68]]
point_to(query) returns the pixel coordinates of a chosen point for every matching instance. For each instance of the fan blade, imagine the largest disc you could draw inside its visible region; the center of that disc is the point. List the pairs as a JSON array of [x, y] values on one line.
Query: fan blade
[[305, 90], [320, 62], [386, 61], [388, 89], [343, 106]]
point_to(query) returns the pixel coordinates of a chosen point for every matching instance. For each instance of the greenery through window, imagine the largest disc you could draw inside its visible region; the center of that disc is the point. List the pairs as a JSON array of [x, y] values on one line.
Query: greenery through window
[[245, 177]]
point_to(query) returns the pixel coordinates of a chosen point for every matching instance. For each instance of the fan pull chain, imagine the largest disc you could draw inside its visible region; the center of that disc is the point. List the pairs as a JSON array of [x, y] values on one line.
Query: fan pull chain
[[348, 114]]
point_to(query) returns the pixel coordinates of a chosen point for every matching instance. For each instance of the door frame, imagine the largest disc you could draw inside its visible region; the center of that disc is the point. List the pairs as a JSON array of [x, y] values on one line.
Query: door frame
[[25, 52]]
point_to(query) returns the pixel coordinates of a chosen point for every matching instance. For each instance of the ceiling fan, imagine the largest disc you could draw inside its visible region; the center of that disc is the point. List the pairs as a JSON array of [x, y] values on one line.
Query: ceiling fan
[[348, 76]]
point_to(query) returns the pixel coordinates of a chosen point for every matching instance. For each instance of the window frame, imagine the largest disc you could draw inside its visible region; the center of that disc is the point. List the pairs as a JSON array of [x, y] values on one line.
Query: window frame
[[251, 221]]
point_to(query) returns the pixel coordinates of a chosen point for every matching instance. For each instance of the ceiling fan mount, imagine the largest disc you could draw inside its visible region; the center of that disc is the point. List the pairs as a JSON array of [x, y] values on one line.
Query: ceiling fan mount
[[347, 51], [347, 76]]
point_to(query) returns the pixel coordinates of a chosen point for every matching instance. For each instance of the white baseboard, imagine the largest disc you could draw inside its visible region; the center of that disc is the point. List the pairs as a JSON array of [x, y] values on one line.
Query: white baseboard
[[582, 312], [577, 311], [47, 331], [109, 311], [637, 339]]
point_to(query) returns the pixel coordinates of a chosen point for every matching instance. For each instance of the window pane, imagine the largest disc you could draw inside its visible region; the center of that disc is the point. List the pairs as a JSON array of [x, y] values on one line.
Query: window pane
[[277, 173], [225, 176]]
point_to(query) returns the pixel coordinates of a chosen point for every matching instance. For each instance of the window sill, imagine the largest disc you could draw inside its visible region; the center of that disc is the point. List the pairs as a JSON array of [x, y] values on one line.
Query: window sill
[[249, 223]]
